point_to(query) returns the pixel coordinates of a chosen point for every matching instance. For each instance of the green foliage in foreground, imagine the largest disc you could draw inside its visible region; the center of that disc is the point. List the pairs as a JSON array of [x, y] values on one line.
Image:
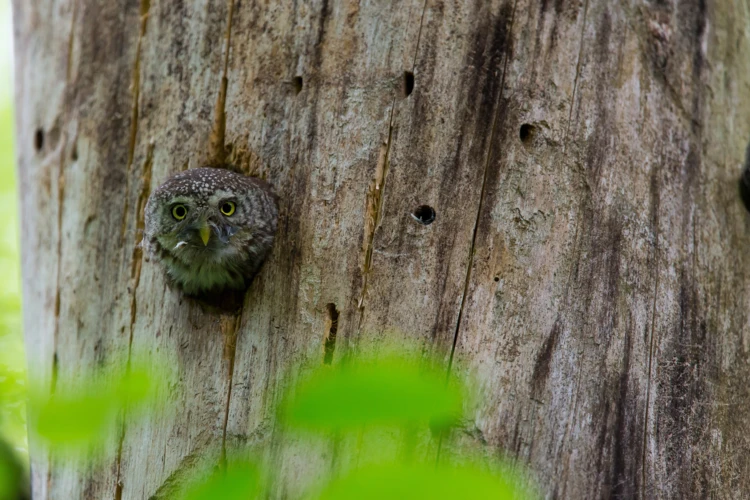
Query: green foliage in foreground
[[401, 480], [360, 397], [12, 475], [390, 392], [238, 481], [13, 447], [78, 416]]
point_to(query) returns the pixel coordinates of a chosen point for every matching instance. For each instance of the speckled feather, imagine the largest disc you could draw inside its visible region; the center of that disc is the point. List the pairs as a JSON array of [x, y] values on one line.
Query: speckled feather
[[238, 244]]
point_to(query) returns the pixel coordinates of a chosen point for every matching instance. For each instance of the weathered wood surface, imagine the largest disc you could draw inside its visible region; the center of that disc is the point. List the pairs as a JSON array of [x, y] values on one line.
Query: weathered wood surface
[[587, 264]]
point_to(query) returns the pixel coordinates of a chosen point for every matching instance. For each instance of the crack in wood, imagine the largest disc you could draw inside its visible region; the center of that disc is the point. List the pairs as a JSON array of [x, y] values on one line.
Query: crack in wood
[[71, 38], [574, 410], [329, 340], [55, 372], [137, 254], [652, 337], [419, 37], [217, 156], [467, 280], [217, 138], [60, 205], [145, 6], [578, 74], [375, 210], [135, 277], [565, 462], [230, 326], [184, 473], [375, 195]]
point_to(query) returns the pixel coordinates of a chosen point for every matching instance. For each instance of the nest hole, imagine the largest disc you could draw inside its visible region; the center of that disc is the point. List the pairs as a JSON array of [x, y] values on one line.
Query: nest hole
[[39, 139], [424, 214], [332, 327], [297, 84], [744, 186], [527, 133], [408, 83]]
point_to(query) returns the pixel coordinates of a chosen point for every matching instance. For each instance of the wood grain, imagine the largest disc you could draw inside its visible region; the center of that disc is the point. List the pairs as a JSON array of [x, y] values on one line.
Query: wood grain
[[586, 264]]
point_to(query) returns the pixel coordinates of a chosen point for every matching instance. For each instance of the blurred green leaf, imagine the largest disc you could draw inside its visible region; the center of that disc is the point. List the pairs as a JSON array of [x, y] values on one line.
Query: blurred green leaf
[[7, 479], [12, 358], [423, 481], [13, 481], [12, 387], [135, 387], [238, 482], [389, 392], [75, 418], [142, 384], [79, 415]]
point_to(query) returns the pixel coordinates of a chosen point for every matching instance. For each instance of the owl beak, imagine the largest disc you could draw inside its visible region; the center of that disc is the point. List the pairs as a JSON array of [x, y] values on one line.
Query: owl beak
[[205, 234]]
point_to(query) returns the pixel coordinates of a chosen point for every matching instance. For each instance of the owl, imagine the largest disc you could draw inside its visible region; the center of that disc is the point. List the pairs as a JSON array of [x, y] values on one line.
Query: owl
[[211, 229]]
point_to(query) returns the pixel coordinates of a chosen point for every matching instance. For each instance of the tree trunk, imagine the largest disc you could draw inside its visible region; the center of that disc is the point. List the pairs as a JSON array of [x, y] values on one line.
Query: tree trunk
[[586, 263]]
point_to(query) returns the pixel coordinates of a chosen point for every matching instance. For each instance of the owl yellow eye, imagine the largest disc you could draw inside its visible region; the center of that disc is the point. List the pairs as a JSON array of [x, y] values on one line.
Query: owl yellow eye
[[179, 212], [227, 208]]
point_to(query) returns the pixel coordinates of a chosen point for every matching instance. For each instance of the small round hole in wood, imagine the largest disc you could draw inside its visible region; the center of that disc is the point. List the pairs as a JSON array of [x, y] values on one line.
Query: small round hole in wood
[[297, 84], [39, 139], [744, 185], [408, 84], [424, 214], [527, 133]]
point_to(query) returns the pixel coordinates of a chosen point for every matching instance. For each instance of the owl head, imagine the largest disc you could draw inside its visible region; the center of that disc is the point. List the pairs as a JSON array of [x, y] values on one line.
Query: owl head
[[211, 228]]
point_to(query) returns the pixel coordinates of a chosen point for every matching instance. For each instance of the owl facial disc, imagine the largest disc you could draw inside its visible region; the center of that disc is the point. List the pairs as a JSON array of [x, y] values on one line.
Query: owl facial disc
[[211, 228]]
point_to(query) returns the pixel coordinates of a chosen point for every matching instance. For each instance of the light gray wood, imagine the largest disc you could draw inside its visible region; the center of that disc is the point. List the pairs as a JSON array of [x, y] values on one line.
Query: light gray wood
[[586, 265]]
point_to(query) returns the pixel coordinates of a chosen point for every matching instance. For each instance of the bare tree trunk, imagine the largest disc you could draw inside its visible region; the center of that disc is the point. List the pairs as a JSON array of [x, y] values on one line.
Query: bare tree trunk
[[586, 262]]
